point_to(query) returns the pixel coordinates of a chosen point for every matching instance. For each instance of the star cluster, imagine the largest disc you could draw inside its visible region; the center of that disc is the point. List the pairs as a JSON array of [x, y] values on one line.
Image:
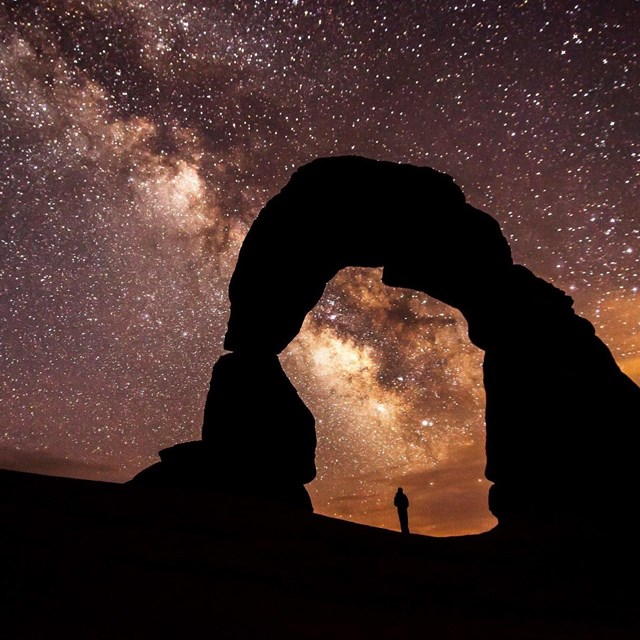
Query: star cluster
[[139, 140]]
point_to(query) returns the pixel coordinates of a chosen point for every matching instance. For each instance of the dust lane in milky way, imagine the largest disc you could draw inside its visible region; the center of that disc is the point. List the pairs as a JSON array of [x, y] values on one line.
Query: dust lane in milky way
[[140, 139]]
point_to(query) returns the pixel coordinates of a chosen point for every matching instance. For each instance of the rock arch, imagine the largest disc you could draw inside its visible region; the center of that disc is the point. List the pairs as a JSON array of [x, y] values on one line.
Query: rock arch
[[560, 414]]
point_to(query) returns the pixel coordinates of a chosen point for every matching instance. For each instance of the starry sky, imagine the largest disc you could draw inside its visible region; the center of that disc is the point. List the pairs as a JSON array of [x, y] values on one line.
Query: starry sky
[[139, 140]]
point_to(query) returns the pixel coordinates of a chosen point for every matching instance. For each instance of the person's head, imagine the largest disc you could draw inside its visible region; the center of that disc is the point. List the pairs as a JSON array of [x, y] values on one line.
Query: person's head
[[399, 489]]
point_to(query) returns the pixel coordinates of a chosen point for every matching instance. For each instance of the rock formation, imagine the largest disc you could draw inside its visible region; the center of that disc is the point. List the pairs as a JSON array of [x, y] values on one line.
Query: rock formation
[[258, 437], [560, 414]]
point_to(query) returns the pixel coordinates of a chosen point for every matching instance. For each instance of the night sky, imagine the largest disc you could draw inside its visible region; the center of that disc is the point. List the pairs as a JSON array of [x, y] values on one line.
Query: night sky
[[140, 138]]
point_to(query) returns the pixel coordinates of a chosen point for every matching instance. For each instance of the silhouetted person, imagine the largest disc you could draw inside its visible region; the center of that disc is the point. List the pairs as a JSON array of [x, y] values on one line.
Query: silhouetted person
[[401, 502]]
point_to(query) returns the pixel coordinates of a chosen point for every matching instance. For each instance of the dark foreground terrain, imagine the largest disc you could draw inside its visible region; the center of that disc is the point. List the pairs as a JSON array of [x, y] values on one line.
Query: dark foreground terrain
[[84, 559]]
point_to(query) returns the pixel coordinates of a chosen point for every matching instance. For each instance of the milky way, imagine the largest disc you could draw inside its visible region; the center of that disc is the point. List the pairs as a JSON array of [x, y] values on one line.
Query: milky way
[[139, 139]]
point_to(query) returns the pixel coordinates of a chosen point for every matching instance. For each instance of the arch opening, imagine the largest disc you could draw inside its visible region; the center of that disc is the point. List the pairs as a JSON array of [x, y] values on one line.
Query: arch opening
[[396, 389]]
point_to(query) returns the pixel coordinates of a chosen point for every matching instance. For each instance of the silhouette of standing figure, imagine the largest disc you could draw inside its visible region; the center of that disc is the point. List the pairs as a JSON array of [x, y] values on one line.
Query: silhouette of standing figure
[[401, 503]]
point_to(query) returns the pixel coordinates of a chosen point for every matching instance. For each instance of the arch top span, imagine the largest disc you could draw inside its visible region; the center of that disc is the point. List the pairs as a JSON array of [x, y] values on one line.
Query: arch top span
[[353, 211]]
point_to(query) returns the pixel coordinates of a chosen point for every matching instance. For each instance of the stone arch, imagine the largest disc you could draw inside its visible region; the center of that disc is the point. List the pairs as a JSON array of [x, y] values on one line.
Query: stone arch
[[560, 414]]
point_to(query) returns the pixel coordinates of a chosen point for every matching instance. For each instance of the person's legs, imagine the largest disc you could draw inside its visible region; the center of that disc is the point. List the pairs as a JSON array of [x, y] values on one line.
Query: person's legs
[[403, 514]]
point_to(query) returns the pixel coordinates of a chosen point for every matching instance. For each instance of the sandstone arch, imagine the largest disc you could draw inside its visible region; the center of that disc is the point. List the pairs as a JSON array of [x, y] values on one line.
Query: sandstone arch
[[561, 417]]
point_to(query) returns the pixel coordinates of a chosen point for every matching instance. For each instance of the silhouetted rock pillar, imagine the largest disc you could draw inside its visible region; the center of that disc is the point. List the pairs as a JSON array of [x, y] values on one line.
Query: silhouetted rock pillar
[[561, 417], [258, 437], [262, 432]]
